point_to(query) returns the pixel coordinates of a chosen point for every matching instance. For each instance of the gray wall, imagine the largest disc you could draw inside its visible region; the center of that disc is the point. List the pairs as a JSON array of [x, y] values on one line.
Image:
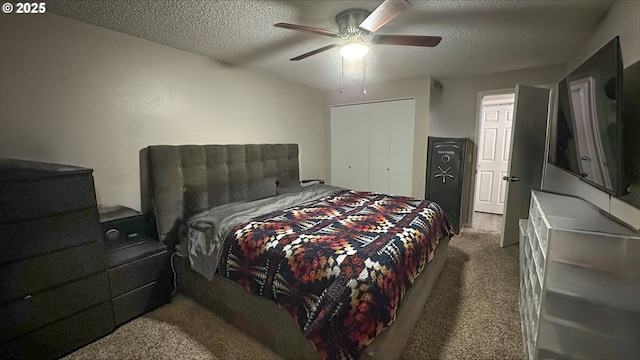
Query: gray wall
[[78, 94], [456, 106], [453, 111]]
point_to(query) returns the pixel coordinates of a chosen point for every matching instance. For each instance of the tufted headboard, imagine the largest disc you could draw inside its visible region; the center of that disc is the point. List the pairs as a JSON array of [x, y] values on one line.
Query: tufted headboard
[[179, 181]]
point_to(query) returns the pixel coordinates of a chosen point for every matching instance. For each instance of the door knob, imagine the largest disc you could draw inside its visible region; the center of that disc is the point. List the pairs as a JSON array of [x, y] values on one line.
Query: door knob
[[513, 178]]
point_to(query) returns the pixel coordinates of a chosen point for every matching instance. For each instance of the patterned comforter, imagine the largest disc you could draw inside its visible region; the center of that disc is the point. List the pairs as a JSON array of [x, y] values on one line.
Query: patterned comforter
[[339, 265]]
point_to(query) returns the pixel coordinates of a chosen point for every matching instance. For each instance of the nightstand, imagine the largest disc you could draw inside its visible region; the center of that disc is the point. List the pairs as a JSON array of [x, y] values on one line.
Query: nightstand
[[137, 263]]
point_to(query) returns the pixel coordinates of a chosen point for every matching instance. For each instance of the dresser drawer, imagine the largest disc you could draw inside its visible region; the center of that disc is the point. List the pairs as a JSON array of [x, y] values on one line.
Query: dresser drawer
[[141, 300], [31, 237], [48, 306], [61, 337], [33, 275], [31, 199], [137, 273]]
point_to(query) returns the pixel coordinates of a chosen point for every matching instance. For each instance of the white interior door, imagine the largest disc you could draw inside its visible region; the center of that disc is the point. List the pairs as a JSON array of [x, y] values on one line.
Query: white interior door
[[493, 154]]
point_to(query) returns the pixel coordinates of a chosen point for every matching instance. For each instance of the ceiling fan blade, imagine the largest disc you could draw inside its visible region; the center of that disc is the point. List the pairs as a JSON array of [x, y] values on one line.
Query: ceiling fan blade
[[410, 40], [316, 51], [384, 13], [307, 29]]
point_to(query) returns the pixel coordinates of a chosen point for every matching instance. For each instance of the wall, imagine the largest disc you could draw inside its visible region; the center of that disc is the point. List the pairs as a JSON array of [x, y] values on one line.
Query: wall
[[82, 95], [446, 112], [454, 108], [623, 20], [457, 105], [417, 88]]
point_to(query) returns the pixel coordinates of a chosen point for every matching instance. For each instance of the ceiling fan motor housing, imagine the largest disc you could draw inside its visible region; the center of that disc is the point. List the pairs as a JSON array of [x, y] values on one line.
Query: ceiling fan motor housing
[[349, 21]]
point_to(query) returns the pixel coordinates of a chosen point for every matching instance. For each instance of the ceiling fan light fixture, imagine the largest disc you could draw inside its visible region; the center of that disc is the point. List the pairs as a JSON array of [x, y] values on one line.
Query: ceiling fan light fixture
[[354, 51]]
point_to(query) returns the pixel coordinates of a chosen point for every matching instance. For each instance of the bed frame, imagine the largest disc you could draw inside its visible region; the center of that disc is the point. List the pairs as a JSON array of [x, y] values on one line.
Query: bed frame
[[179, 181]]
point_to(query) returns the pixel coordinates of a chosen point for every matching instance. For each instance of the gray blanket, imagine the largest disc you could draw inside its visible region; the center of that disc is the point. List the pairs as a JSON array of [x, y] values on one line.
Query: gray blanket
[[205, 232]]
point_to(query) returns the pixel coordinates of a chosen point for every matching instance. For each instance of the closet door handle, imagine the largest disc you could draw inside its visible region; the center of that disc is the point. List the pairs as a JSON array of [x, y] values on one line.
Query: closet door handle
[[513, 178]]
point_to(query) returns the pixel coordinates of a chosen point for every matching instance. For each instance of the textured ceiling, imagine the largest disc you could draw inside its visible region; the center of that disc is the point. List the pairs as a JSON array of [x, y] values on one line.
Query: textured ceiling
[[478, 37]]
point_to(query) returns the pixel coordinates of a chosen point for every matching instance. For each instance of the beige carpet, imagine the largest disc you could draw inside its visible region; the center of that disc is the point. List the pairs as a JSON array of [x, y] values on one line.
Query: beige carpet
[[471, 314], [473, 311]]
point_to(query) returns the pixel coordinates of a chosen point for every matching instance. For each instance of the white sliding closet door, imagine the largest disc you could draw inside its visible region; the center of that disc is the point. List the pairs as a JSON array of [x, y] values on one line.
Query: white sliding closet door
[[401, 146], [379, 145], [351, 168], [372, 146]]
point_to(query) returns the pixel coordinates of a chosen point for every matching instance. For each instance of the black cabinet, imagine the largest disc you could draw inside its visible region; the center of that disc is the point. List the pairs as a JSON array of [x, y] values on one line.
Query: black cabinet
[[137, 263], [54, 290], [448, 177]]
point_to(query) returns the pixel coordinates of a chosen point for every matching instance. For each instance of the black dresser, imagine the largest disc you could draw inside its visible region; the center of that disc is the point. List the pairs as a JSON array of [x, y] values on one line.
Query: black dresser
[[54, 288], [137, 263]]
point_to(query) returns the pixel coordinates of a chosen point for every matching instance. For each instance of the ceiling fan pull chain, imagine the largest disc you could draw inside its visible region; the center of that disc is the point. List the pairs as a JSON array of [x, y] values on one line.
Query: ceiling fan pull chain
[[364, 75], [341, 74]]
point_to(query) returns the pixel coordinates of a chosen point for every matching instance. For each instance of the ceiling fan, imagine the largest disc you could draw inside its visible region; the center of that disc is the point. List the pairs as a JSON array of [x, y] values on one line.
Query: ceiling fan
[[354, 24]]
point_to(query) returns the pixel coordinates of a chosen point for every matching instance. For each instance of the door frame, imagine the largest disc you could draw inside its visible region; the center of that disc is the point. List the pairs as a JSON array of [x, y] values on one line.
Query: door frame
[[476, 139]]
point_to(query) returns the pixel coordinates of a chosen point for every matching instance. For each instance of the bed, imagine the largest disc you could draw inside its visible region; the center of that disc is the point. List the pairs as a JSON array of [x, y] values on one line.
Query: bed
[[358, 297]]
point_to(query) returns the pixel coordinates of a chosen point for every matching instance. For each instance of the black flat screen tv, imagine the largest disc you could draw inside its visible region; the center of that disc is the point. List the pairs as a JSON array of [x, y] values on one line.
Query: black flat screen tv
[[587, 139]]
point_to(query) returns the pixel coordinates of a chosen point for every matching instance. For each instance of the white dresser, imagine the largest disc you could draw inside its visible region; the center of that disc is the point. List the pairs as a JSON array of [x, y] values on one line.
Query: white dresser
[[579, 281]]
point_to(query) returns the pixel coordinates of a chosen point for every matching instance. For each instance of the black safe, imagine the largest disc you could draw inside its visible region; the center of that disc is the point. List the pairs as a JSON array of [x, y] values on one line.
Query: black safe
[[137, 263], [448, 176]]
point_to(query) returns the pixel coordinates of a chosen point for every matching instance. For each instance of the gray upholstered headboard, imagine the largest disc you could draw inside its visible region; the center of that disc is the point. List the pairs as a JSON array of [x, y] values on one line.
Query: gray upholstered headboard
[[179, 181]]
